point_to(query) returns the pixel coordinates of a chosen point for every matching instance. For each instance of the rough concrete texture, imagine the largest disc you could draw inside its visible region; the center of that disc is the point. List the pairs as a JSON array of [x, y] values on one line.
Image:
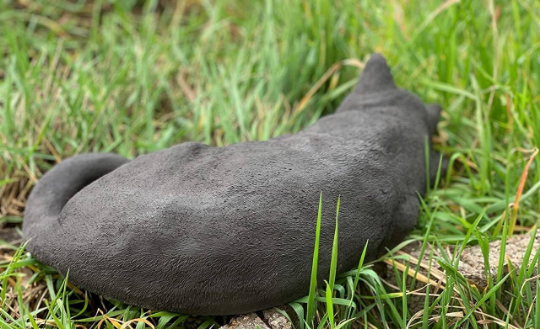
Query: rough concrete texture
[[230, 230], [248, 321], [270, 319], [471, 265], [276, 320]]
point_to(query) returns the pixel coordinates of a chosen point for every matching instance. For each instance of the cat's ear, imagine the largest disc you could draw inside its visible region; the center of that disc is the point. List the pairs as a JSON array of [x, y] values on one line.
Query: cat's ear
[[376, 76]]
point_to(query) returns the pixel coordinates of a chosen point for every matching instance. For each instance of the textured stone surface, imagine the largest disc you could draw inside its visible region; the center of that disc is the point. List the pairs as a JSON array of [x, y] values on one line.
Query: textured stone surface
[[249, 321], [269, 319], [471, 266], [276, 320], [230, 230]]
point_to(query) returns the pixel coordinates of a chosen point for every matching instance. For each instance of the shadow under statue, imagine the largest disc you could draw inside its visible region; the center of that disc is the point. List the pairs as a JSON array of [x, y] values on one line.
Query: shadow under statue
[[229, 230]]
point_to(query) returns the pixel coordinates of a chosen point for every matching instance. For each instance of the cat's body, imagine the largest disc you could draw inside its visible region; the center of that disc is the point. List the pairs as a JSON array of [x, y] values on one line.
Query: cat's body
[[207, 230]]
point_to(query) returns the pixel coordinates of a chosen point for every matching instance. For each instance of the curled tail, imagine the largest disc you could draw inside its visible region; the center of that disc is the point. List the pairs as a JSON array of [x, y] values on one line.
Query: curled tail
[[60, 184]]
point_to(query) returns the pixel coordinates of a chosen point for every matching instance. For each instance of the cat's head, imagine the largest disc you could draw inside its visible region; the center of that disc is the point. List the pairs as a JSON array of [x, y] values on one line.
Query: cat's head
[[376, 81]]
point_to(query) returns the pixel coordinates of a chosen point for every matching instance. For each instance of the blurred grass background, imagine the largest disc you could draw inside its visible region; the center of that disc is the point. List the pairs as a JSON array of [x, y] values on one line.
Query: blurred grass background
[[132, 77]]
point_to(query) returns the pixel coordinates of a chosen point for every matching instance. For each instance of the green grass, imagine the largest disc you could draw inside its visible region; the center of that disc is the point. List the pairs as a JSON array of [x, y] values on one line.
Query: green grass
[[132, 77]]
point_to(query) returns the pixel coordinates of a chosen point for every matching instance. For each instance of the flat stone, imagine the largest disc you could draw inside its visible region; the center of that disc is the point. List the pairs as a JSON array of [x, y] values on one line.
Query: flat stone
[[249, 321], [471, 266], [276, 320]]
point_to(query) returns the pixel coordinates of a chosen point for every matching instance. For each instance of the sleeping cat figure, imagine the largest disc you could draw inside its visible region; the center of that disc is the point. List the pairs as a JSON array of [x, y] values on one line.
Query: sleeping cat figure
[[229, 230]]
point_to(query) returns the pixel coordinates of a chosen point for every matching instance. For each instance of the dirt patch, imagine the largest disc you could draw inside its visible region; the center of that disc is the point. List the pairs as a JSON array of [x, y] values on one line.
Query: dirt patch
[[10, 235]]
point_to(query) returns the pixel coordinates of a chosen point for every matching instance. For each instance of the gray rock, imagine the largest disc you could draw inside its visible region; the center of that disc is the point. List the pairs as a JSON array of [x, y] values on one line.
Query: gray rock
[[230, 230], [276, 320], [471, 266], [249, 321]]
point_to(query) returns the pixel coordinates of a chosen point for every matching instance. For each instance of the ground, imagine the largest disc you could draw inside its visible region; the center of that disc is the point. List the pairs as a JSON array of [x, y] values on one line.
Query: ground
[[132, 77]]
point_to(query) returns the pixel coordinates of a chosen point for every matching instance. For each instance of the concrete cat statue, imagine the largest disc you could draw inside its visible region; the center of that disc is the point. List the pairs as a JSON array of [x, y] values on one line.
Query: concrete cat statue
[[229, 230]]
